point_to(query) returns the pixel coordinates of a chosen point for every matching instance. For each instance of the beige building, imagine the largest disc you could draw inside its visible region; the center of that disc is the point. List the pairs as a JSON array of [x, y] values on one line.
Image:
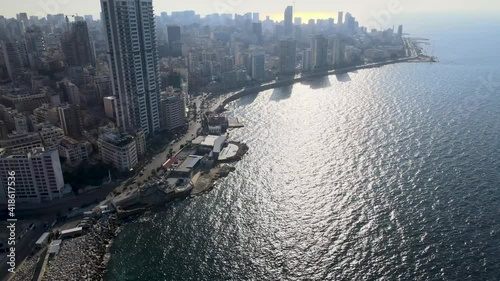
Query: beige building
[[51, 135], [109, 107], [23, 142], [75, 152], [46, 113]]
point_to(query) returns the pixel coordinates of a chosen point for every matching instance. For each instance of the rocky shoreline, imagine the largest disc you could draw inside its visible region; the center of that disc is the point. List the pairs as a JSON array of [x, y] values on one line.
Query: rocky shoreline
[[242, 150], [85, 257]]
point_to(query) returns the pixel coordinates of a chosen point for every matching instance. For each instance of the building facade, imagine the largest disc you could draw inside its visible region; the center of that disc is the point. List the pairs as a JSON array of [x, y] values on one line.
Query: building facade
[[258, 65], [319, 52], [71, 120], [134, 61], [289, 21], [22, 143], [174, 110], [77, 46], [306, 59], [287, 56], [74, 152], [119, 150], [109, 107], [38, 175], [51, 135]]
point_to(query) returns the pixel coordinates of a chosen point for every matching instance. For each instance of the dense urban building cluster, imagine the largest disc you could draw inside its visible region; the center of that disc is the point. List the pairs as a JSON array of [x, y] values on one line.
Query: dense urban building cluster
[[77, 90]]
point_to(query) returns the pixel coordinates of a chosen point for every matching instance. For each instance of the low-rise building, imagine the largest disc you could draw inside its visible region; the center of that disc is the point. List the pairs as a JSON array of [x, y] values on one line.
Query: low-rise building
[[119, 150], [51, 135], [186, 167], [23, 99], [46, 113], [74, 152], [20, 143], [7, 115], [217, 124], [210, 144]]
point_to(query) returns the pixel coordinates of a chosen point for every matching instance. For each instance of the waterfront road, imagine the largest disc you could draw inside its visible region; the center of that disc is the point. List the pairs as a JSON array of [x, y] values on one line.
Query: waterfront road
[[49, 210], [159, 159]]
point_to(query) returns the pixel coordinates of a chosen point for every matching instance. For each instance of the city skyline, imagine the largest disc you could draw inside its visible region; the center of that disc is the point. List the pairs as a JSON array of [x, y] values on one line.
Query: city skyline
[[321, 10], [327, 140]]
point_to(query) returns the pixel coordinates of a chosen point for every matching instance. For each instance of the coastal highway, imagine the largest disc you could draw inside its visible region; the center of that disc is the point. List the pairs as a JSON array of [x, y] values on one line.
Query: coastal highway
[[48, 211], [160, 158]]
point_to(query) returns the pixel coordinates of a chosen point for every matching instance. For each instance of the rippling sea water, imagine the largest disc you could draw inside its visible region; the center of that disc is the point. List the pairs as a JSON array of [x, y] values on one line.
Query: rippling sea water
[[382, 174]]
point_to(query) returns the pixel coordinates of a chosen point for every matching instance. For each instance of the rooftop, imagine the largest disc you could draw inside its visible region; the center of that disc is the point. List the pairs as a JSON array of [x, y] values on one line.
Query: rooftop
[[54, 249], [12, 154], [188, 164], [116, 138], [43, 238], [71, 230], [209, 140]]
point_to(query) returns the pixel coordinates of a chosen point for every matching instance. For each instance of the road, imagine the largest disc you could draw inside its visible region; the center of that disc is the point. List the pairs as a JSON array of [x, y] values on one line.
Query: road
[[160, 158], [24, 246], [48, 211]]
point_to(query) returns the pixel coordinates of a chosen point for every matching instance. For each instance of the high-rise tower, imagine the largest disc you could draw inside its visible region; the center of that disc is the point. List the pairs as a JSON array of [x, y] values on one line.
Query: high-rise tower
[[319, 50], [340, 18], [133, 57], [287, 55], [77, 46], [289, 21]]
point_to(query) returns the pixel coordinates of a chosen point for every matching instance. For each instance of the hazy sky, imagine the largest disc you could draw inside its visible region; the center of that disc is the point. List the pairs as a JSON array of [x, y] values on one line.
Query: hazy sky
[[362, 9]]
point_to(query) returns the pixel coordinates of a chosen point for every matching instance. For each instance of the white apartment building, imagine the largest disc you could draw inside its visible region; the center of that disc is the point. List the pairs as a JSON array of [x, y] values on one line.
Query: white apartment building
[[38, 175], [118, 149], [134, 61], [174, 110]]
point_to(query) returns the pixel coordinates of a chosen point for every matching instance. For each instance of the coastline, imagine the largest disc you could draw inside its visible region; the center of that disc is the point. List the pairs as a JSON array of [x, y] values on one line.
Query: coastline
[[99, 266], [93, 248], [411, 46]]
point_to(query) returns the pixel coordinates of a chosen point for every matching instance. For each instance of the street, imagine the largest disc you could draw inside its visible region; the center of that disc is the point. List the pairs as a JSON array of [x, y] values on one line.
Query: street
[[160, 158]]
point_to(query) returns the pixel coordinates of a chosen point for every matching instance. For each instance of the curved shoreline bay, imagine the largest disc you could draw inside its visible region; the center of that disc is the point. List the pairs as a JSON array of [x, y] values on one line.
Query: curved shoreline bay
[[380, 174]]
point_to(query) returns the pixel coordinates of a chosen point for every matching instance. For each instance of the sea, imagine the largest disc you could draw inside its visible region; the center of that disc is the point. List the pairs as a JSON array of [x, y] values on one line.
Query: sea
[[390, 173]]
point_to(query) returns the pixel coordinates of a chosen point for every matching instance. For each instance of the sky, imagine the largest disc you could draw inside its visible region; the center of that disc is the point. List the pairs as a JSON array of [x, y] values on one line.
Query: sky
[[364, 10]]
